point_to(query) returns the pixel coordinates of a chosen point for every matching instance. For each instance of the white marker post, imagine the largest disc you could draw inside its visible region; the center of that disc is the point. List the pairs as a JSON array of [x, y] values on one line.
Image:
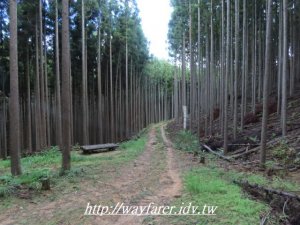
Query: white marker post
[[185, 115]]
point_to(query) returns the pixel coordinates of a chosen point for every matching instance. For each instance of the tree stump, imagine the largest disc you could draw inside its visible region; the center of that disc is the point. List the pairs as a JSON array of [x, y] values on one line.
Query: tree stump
[[45, 184], [202, 160]]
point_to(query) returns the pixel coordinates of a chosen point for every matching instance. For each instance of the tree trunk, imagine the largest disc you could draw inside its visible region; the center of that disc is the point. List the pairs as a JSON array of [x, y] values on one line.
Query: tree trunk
[[236, 68], [28, 106], [14, 105], [99, 84], [57, 81], [66, 92], [37, 94], [183, 76], [266, 85], [85, 111], [285, 69], [43, 133], [212, 72], [226, 80], [112, 138]]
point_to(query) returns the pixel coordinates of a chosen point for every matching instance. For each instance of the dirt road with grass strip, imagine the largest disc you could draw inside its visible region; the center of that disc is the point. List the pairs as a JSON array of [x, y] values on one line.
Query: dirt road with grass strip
[[153, 177]]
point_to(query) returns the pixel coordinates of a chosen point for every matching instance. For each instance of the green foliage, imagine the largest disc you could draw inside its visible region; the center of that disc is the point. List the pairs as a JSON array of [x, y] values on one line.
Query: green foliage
[[275, 183], [160, 71], [45, 158], [209, 186], [186, 141], [282, 152], [133, 148]]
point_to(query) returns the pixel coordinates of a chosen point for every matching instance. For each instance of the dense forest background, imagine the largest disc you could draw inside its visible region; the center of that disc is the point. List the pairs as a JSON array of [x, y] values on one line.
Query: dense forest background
[[231, 62], [112, 89], [239, 64]]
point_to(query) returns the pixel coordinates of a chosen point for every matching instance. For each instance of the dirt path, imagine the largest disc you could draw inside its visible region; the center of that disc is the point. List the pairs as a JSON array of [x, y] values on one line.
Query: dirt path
[[167, 188], [152, 178]]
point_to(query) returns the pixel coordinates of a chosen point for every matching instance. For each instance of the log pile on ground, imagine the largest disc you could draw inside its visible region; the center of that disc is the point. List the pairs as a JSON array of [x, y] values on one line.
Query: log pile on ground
[[283, 202]]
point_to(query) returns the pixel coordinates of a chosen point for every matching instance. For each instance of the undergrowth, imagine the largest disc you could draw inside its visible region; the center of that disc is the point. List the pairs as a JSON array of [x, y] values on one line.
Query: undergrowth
[[186, 141], [47, 164]]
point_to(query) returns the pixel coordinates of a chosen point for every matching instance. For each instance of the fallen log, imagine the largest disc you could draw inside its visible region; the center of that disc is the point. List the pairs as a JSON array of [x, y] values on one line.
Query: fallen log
[[245, 153], [243, 144], [294, 169], [246, 184], [283, 202], [253, 150], [238, 151], [250, 162], [215, 153]]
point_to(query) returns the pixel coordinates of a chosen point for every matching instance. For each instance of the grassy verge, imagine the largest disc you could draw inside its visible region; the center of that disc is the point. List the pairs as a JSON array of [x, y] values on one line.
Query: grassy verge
[[47, 165], [208, 186], [186, 141]]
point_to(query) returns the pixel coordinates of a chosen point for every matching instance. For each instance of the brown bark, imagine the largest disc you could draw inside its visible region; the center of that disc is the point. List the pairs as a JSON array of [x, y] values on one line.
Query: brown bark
[[14, 105], [66, 92]]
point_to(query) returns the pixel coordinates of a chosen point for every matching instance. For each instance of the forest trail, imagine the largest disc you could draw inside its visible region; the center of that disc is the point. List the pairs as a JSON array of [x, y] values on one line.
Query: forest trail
[[134, 181], [152, 178]]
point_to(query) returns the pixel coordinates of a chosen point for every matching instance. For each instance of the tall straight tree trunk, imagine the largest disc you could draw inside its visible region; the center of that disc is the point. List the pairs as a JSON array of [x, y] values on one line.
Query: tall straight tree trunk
[[254, 60], [85, 103], [244, 72], [199, 70], [14, 105], [28, 106], [43, 134], [192, 78], [222, 69], [66, 92], [226, 80], [280, 58], [112, 120], [292, 59], [57, 81], [266, 85], [127, 119], [207, 83], [127, 92], [47, 106], [236, 68], [131, 97], [285, 68], [212, 72], [183, 78], [99, 84], [37, 93], [176, 114]]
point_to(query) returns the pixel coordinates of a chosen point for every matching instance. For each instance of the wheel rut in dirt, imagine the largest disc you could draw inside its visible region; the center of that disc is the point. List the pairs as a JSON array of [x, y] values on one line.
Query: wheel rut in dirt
[[167, 184]]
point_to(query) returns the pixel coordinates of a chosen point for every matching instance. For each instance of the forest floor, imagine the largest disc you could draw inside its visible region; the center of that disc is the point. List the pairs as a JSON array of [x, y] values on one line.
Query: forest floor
[[143, 171], [283, 154]]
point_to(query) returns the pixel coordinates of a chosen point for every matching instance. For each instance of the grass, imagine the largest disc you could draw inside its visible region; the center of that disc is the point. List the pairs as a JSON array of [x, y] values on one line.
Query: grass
[[214, 186], [47, 165], [208, 186], [186, 141]]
